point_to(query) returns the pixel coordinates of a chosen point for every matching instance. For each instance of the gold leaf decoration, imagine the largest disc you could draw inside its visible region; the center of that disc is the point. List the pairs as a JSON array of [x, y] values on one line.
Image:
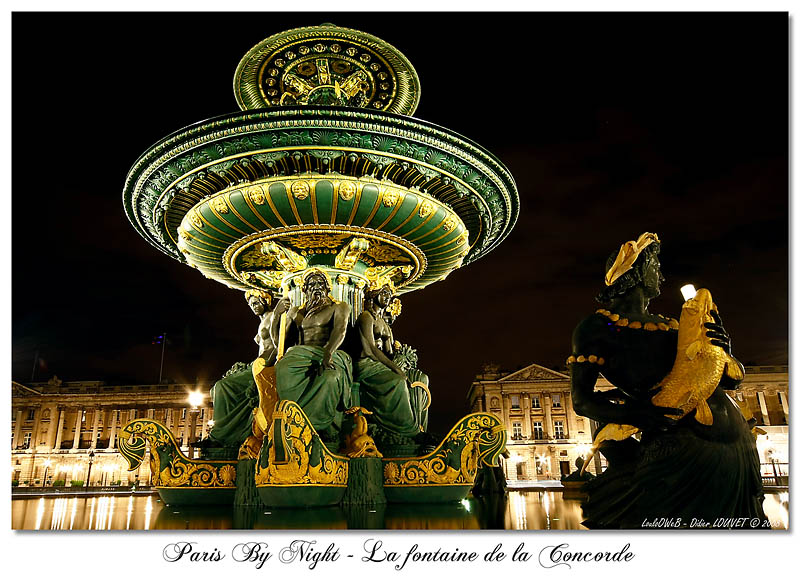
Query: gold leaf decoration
[[426, 208], [220, 205], [256, 194], [390, 197], [301, 189], [347, 190]]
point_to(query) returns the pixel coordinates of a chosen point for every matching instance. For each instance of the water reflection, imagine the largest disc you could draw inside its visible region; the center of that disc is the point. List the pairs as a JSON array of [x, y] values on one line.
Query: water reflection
[[532, 510]]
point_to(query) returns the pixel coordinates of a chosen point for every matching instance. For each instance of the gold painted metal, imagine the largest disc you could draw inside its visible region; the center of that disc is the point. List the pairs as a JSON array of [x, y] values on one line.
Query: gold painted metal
[[288, 259], [350, 254], [358, 443], [296, 434], [479, 436], [699, 366]]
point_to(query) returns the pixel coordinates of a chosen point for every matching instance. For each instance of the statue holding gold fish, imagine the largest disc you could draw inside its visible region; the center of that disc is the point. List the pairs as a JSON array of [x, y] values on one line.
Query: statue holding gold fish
[[695, 456]]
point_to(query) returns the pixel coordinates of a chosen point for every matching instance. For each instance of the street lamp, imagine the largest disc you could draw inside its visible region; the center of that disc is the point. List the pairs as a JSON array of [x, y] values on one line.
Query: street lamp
[[196, 399], [89, 472], [47, 463]]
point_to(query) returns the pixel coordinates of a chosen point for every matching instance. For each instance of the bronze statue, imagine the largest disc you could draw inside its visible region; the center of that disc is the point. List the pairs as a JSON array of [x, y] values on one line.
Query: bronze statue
[[235, 395], [383, 385], [314, 372], [679, 469]]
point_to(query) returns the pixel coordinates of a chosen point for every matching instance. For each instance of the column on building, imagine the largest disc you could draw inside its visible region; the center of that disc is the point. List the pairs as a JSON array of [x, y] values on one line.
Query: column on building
[[62, 414], [52, 427], [17, 428], [547, 406], [784, 400], [37, 423], [506, 403], [571, 431], [113, 434], [204, 422], [526, 415], [95, 426], [762, 403], [77, 438]]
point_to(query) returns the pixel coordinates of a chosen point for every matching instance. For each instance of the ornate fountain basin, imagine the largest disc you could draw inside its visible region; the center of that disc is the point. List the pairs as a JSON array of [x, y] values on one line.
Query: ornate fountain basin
[[426, 198]]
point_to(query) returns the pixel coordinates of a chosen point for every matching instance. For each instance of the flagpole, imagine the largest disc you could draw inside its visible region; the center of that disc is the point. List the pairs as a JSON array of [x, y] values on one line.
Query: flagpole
[[161, 368], [35, 361]]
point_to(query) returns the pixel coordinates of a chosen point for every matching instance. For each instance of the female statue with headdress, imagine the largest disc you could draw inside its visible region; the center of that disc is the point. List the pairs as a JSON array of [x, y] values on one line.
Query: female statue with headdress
[[383, 387], [235, 395], [680, 470]]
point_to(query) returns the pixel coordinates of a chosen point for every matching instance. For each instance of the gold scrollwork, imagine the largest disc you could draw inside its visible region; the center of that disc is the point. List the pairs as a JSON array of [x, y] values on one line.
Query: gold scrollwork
[[292, 429], [449, 223], [301, 189], [350, 254], [168, 465], [476, 441]]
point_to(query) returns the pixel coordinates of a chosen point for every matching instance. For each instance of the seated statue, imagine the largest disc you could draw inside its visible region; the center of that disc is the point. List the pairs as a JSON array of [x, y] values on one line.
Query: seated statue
[[678, 469], [235, 395], [314, 373], [406, 358], [383, 384]]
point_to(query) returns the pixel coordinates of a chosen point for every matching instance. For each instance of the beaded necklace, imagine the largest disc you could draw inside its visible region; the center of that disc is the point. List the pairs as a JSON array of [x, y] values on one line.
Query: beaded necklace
[[668, 323]]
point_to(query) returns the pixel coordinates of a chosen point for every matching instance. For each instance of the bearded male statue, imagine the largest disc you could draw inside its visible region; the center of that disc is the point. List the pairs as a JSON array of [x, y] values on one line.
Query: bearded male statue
[[314, 373]]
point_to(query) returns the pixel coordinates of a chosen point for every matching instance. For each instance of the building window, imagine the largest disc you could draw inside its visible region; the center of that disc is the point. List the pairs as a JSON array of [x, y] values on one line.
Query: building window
[[515, 401], [538, 434], [520, 470], [516, 430], [535, 402], [202, 413], [556, 400], [26, 440], [118, 415], [31, 413], [558, 427]]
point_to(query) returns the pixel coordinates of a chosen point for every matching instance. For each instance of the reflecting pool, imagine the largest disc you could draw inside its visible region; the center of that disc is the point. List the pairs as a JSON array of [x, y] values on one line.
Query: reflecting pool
[[519, 510]]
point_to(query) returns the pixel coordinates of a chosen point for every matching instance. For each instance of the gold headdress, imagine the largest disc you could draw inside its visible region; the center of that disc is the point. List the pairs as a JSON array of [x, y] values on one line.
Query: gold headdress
[[628, 253], [266, 295]]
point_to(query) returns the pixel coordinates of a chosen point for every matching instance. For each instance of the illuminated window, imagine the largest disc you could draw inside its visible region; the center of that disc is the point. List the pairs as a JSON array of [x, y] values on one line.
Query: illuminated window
[[516, 430], [26, 440], [556, 400], [515, 401], [558, 427], [538, 434]]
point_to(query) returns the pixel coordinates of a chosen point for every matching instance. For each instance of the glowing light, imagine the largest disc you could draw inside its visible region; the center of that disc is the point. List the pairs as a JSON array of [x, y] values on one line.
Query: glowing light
[[48, 462], [39, 513], [465, 503], [210, 423], [148, 511], [688, 291], [196, 398]]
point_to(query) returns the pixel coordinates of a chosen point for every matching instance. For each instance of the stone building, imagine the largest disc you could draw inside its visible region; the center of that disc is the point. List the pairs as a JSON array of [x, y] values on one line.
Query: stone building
[[546, 436], [55, 425]]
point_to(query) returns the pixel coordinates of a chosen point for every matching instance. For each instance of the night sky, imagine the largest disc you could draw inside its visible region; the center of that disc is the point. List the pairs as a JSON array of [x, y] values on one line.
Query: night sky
[[611, 124]]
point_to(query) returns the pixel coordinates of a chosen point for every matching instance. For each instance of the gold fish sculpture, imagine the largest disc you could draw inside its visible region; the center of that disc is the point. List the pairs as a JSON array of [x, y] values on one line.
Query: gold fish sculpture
[[699, 366]]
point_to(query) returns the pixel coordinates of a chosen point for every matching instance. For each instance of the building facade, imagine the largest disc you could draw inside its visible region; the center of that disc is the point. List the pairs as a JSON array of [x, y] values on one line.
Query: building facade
[[546, 436], [56, 425]]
